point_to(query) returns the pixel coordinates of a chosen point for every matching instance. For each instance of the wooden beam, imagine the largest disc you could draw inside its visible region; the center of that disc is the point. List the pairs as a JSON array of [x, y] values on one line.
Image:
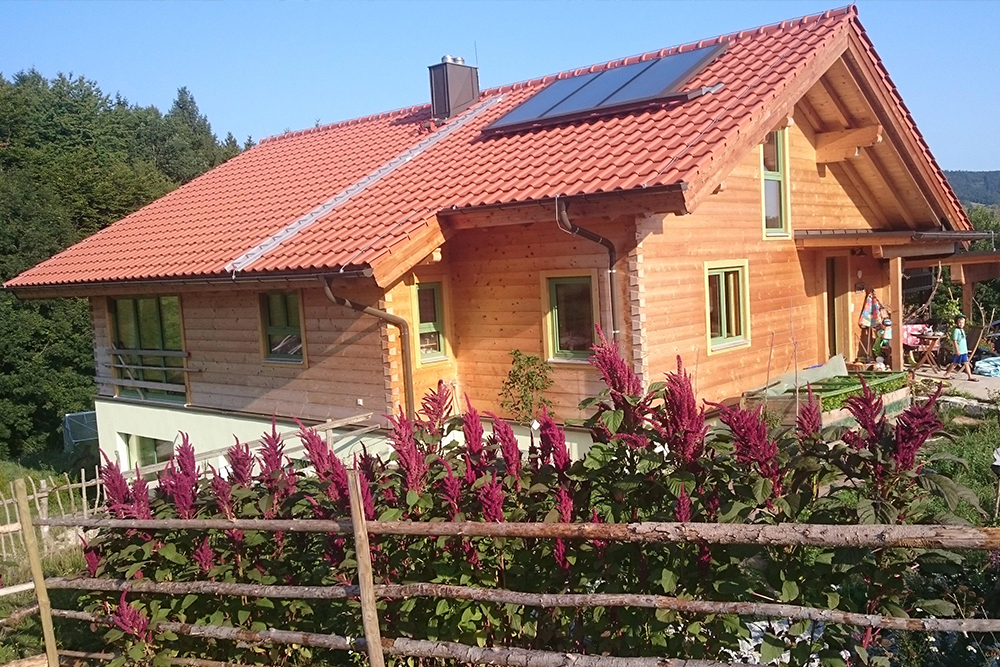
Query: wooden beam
[[979, 273], [35, 564], [963, 258], [845, 144], [914, 250], [896, 301], [855, 240], [369, 607]]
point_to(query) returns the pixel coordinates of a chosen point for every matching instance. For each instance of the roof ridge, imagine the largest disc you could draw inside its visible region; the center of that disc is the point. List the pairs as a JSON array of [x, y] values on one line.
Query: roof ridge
[[847, 10], [344, 123]]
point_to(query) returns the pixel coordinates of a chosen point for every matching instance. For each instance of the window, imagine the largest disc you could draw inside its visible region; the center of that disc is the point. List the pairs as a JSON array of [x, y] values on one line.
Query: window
[[430, 322], [571, 317], [728, 305], [282, 326], [775, 184], [144, 451], [148, 324]]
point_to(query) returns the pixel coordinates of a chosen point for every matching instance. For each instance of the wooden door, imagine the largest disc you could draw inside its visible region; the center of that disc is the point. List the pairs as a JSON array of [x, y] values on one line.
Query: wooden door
[[837, 330]]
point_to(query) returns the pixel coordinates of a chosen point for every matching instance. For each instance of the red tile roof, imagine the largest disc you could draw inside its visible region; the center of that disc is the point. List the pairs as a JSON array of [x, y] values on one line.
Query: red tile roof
[[201, 228]]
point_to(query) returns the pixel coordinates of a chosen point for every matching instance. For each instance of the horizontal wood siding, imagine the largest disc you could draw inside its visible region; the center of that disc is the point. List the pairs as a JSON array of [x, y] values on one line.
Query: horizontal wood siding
[[102, 343], [494, 287], [787, 286], [223, 337]]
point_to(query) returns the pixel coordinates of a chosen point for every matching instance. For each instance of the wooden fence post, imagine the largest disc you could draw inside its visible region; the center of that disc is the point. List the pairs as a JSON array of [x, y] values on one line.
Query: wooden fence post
[[83, 489], [17, 512], [369, 612], [35, 561], [6, 511], [72, 498], [43, 513]]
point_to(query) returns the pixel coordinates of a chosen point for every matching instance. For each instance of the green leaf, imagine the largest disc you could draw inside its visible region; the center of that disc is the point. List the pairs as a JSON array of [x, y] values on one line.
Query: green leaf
[[242, 616], [412, 498], [935, 607], [392, 514], [771, 648], [789, 591], [442, 607], [612, 419], [668, 580], [862, 653], [169, 551], [832, 599]]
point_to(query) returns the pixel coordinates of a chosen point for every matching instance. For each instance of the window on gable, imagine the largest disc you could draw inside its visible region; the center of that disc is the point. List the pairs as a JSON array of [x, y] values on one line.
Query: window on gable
[[775, 184], [144, 326], [431, 321], [727, 306], [571, 317], [282, 326]]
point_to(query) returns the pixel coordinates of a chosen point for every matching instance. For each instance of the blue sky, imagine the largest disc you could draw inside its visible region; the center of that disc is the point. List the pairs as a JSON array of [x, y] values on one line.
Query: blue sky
[[261, 68]]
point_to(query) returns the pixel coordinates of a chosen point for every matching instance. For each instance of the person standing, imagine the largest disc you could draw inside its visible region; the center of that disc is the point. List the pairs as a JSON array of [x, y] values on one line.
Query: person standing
[[961, 358]]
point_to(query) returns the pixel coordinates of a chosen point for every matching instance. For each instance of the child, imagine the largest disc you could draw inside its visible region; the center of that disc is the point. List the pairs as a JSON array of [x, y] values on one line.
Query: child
[[961, 358]]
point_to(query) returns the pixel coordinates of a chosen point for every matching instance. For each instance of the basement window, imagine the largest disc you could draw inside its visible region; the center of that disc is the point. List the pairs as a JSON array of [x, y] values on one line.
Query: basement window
[[728, 305], [430, 309], [774, 168], [282, 318], [571, 317]]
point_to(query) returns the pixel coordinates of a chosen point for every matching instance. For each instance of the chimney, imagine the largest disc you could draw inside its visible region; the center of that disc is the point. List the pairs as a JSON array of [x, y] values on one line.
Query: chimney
[[454, 87]]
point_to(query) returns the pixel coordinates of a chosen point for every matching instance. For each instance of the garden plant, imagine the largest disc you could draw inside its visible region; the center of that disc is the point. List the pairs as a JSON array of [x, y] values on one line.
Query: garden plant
[[656, 457]]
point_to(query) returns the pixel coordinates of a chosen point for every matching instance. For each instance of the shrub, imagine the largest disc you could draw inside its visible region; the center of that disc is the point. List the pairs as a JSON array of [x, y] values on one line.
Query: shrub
[[655, 458]]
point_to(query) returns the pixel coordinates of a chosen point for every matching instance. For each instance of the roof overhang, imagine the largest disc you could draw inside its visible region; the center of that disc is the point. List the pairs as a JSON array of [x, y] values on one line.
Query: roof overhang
[[887, 244], [160, 286]]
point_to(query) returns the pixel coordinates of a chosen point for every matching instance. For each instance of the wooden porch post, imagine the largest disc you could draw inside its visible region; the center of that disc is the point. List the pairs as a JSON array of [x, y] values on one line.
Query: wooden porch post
[[968, 290], [896, 306]]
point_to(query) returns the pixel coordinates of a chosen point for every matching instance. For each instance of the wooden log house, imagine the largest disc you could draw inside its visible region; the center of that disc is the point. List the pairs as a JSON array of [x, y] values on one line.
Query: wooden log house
[[728, 201]]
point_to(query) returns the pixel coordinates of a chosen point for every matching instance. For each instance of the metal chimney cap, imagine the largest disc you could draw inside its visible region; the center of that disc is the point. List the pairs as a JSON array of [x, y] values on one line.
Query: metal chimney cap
[[457, 60]]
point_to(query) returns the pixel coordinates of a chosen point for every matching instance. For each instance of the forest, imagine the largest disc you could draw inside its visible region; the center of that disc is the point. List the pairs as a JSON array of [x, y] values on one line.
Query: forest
[[73, 160]]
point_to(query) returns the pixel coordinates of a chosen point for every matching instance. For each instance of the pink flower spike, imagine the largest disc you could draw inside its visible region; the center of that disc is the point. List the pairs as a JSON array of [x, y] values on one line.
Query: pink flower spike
[[411, 458], [682, 509], [682, 422], [204, 556], [472, 430], [617, 374], [115, 487], [452, 488], [509, 449], [491, 498], [131, 621], [91, 556], [810, 420], [240, 464], [140, 497], [222, 491], [553, 442], [435, 406]]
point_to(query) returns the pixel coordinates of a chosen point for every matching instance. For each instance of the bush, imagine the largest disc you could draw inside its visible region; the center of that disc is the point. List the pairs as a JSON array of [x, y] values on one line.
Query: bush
[[654, 459]]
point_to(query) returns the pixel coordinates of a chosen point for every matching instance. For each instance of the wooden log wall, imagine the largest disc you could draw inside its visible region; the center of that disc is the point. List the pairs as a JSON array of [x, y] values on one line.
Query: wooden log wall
[[787, 286], [222, 333], [493, 280]]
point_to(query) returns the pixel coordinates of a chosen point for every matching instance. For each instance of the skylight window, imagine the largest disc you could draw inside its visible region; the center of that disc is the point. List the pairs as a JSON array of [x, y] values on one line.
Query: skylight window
[[611, 90]]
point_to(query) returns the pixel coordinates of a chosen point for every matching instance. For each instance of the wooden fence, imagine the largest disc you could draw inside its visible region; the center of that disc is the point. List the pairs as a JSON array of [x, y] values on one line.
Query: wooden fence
[[376, 646], [50, 497]]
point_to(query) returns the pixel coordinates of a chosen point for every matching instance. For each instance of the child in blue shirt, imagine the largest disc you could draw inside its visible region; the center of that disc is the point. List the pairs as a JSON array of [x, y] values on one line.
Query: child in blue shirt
[[961, 358]]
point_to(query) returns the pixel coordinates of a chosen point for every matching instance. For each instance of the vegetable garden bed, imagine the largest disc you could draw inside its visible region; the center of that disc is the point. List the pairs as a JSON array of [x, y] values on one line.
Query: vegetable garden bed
[[833, 393]]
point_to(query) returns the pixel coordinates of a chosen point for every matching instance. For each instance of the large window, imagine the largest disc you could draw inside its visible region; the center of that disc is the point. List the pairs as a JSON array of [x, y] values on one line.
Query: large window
[[728, 305], [571, 317], [282, 326], [141, 327], [775, 184], [431, 322], [144, 451]]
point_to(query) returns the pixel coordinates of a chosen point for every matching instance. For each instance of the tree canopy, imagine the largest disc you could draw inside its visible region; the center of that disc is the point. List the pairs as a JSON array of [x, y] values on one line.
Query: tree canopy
[[72, 161]]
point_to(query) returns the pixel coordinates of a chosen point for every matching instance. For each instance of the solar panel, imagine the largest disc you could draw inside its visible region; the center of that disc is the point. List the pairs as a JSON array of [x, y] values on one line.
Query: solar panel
[[610, 90]]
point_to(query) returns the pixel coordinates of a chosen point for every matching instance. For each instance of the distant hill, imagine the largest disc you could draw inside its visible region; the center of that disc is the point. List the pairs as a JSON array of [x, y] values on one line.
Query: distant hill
[[976, 187]]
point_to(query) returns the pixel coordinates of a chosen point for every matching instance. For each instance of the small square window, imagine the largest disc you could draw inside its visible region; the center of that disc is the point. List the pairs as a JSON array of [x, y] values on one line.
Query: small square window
[[727, 306], [282, 326], [431, 322], [571, 314]]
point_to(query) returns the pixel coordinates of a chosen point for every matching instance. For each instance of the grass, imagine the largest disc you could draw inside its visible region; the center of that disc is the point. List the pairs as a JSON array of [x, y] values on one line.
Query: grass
[[974, 443]]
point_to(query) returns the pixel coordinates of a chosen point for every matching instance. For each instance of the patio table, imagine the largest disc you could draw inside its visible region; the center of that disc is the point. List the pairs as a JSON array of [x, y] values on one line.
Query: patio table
[[927, 345]]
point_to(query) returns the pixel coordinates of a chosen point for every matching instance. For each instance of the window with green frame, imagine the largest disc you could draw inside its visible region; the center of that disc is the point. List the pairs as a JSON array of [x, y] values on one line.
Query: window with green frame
[[727, 314], [571, 317], [148, 324], [775, 185], [144, 451], [430, 317], [282, 326]]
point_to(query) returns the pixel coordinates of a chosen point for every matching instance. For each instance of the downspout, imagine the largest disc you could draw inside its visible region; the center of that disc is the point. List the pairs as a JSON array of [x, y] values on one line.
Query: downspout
[[404, 336], [562, 219]]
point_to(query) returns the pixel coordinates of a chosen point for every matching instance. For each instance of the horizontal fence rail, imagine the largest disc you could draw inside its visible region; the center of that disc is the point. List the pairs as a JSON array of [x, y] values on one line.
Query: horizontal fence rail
[[418, 648], [545, 600], [877, 536]]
